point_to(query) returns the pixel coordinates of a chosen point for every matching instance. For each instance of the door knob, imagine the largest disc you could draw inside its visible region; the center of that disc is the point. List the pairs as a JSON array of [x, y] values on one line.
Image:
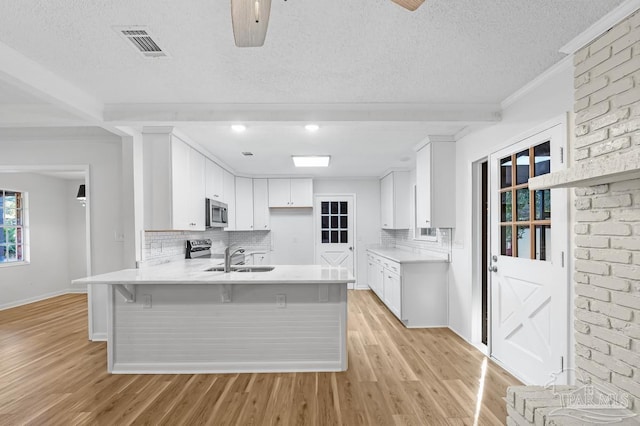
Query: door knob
[[493, 269], [494, 258], [351, 248]]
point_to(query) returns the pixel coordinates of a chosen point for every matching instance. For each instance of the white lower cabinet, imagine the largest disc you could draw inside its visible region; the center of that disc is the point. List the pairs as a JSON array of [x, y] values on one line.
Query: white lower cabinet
[[392, 292], [416, 292], [258, 258], [375, 274]]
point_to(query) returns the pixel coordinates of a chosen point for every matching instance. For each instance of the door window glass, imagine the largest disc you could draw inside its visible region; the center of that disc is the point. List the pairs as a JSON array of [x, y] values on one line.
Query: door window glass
[[525, 229], [334, 223]]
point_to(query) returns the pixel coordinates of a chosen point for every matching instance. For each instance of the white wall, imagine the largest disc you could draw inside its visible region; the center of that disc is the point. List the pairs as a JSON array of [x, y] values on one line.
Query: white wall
[[367, 193], [76, 232], [47, 273], [549, 100], [292, 237], [103, 155]]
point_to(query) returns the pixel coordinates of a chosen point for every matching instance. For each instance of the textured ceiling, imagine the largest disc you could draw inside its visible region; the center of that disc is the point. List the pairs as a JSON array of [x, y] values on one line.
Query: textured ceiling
[[357, 149], [317, 51]]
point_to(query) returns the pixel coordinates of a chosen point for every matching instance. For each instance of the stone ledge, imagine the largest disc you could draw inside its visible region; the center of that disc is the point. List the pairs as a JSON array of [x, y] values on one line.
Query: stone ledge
[[598, 171], [540, 406]]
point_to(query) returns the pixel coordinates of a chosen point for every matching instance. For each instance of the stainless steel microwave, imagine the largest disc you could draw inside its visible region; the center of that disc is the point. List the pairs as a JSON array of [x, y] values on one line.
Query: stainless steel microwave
[[216, 214]]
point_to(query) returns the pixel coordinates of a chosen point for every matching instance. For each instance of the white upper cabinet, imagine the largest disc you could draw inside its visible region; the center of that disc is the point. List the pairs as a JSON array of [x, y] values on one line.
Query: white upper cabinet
[[171, 163], [295, 192], [252, 205], [395, 201], [279, 192], [229, 191], [436, 185], [215, 181], [301, 193], [244, 204], [261, 215]]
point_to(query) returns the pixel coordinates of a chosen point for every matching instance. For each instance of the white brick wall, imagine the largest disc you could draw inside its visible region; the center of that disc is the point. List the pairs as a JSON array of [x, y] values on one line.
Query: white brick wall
[[607, 229]]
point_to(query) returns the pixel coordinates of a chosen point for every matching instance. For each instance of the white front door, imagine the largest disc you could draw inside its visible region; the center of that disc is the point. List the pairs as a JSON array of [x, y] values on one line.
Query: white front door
[[529, 284], [334, 230]]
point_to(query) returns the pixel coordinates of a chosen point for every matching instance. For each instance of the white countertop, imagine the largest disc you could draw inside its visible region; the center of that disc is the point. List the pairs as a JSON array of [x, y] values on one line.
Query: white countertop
[[406, 256], [193, 271]]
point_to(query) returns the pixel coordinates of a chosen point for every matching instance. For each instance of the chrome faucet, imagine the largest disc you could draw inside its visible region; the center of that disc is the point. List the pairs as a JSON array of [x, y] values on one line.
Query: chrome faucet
[[228, 254]]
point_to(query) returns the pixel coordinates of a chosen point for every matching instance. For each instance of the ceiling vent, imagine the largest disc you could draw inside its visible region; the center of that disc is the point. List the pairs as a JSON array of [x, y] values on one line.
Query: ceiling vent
[[142, 42]]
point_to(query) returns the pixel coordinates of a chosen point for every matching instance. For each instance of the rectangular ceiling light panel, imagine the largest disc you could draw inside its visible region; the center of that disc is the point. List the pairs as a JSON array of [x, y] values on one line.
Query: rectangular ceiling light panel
[[311, 160]]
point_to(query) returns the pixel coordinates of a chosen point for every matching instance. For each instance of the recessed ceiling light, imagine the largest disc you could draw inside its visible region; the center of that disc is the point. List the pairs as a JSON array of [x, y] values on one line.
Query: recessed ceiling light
[[247, 154], [311, 160], [239, 128], [312, 127]]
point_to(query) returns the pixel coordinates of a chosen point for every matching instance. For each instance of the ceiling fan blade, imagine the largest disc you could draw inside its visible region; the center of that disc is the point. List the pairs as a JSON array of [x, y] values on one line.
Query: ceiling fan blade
[[409, 4], [250, 19]]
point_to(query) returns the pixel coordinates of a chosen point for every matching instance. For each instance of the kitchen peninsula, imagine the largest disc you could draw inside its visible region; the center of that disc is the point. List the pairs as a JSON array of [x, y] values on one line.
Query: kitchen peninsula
[[180, 317]]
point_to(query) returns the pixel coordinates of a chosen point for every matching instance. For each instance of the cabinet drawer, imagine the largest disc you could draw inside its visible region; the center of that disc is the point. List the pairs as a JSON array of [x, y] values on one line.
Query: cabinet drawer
[[391, 266]]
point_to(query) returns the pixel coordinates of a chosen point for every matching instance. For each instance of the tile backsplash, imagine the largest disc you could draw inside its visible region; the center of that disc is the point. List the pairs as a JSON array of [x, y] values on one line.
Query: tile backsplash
[[161, 247], [251, 240], [403, 238]]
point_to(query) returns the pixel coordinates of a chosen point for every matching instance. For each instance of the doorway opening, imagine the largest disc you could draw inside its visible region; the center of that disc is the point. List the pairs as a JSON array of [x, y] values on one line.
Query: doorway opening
[[57, 230], [481, 303], [484, 251]]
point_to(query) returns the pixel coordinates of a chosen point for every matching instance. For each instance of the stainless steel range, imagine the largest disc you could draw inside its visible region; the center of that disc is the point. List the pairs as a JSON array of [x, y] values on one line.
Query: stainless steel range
[[201, 249]]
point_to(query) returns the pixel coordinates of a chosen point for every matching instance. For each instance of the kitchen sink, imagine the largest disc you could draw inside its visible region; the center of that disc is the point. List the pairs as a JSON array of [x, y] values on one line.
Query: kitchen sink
[[243, 268]]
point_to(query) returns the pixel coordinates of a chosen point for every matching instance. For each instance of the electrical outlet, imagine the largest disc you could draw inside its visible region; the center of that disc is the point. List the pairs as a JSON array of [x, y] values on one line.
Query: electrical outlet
[[146, 301], [118, 236], [281, 300]]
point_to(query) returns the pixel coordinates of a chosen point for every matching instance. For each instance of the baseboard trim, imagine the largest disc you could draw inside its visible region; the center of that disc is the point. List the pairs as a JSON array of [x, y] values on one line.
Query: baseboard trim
[[223, 367], [98, 337], [40, 298], [481, 347]]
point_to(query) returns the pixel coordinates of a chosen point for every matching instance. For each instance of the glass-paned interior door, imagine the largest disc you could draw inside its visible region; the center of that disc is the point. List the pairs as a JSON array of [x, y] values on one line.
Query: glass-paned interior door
[[335, 243], [528, 282]]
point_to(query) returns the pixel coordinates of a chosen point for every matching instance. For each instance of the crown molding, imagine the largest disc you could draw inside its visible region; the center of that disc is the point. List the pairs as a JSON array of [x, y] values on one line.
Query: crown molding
[[554, 69], [601, 26], [434, 138]]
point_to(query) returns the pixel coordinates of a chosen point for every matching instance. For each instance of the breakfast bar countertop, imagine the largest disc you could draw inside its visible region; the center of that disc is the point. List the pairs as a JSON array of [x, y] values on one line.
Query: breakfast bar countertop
[[408, 256], [194, 271]]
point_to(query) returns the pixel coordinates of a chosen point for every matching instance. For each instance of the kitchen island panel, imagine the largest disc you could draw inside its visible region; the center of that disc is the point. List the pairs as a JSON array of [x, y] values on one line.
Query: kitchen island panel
[[228, 328]]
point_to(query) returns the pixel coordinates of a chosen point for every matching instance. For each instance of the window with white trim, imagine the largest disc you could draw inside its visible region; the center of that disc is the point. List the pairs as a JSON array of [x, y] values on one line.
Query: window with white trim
[[12, 226]]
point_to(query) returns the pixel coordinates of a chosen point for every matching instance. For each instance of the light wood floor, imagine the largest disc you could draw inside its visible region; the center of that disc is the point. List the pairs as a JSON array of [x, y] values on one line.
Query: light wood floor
[[50, 374]]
